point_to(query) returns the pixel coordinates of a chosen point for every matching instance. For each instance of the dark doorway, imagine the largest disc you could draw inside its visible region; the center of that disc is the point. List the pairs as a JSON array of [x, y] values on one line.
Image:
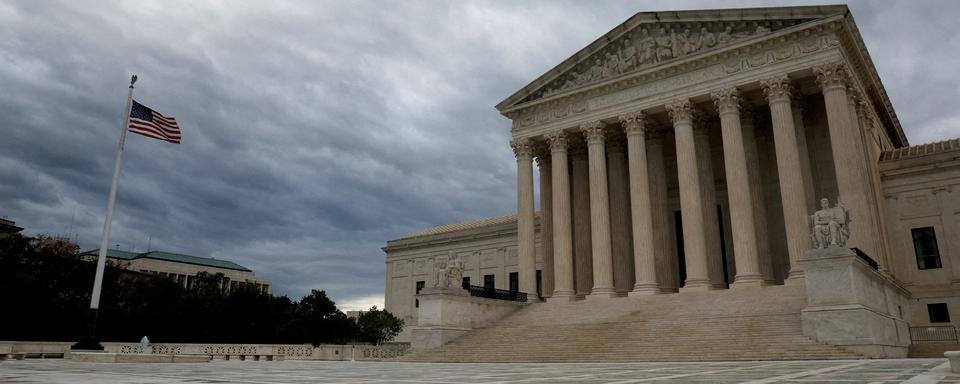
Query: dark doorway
[[514, 281], [489, 281], [682, 266], [723, 245]]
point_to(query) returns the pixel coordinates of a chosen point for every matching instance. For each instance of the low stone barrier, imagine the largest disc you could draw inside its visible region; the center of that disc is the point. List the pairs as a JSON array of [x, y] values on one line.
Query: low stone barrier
[[448, 313], [363, 352], [954, 357]]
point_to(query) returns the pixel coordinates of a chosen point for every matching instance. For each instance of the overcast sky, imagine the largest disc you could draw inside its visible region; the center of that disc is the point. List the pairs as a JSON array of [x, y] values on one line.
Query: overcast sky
[[313, 132]]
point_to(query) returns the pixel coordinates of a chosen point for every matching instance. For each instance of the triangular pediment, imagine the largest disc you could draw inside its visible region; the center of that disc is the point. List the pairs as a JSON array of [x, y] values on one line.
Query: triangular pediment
[[651, 39]]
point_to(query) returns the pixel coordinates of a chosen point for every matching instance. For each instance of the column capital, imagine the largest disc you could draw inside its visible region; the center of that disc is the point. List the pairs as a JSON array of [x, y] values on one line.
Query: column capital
[[680, 110], [727, 100], [541, 153], [777, 88], [831, 75], [633, 123], [593, 131], [522, 148], [557, 141]]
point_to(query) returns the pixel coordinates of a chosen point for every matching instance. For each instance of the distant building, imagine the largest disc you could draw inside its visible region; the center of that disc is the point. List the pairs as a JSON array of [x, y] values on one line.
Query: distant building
[[182, 268], [8, 227]]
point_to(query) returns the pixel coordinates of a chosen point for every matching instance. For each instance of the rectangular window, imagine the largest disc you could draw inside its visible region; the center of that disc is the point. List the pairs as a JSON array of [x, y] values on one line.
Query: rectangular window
[[925, 247], [489, 281], [420, 285], [938, 313], [466, 281], [514, 281]]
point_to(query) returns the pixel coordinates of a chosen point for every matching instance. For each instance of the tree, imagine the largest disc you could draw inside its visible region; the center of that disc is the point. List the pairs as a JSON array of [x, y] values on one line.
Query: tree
[[323, 322], [378, 325]]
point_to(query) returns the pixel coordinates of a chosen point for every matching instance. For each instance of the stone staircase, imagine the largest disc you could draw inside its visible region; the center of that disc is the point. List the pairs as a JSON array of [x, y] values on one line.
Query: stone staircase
[[747, 324]]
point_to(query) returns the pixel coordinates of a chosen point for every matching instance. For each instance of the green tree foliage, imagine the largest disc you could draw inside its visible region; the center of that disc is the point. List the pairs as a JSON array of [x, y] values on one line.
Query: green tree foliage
[[46, 288], [377, 325]]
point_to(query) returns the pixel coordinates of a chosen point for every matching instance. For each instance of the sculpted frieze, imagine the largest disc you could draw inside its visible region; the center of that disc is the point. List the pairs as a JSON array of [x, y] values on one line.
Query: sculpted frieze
[[652, 44], [579, 103]]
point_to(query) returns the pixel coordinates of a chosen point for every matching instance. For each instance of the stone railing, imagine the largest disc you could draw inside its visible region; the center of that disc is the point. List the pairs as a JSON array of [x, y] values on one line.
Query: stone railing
[[254, 351]]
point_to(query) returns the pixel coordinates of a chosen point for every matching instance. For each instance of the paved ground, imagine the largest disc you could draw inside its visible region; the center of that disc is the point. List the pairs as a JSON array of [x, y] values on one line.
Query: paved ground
[[912, 371]]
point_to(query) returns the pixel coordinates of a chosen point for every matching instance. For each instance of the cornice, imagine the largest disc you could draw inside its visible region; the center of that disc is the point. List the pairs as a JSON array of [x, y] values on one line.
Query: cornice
[[652, 20], [779, 46]]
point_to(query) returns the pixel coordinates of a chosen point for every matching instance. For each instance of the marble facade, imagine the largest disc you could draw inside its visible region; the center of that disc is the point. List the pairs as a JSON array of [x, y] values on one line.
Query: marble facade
[[686, 151]]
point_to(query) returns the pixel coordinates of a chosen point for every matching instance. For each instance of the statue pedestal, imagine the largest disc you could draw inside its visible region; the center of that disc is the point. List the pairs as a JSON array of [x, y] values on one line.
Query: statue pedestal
[[852, 305], [447, 313]]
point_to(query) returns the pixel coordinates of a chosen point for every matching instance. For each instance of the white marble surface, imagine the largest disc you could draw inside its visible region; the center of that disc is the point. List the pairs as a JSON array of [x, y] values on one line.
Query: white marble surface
[[845, 371]]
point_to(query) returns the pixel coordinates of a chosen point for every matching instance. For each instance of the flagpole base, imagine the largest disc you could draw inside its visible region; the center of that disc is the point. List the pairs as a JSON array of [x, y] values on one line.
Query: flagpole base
[[89, 341]]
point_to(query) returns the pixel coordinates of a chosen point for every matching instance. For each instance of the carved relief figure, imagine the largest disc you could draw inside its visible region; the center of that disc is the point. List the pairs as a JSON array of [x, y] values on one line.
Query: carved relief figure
[[596, 72], [830, 225], [690, 45], [726, 36], [707, 39], [611, 66], [648, 48], [628, 56], [664, 46]]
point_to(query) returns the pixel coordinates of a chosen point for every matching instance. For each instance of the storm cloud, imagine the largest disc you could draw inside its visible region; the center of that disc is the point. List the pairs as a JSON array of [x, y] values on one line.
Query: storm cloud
[[313, 132]]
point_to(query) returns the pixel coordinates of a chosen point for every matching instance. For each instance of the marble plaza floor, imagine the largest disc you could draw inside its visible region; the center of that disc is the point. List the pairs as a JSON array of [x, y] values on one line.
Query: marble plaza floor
[[844, 371]]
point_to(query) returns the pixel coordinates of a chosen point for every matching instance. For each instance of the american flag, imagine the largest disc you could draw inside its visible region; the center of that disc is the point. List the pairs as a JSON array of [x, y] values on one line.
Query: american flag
[[150, 123]]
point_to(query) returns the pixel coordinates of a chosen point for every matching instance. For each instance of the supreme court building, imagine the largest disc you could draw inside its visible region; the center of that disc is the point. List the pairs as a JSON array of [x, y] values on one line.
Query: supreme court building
[[686, 151]]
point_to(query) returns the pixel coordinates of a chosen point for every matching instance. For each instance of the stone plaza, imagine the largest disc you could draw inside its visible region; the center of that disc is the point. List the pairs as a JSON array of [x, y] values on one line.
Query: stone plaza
[[914, 371]]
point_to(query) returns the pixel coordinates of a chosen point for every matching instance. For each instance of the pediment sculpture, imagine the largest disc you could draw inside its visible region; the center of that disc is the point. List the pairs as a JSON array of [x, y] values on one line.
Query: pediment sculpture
[[831, 225], [651, 44], [449, 273]]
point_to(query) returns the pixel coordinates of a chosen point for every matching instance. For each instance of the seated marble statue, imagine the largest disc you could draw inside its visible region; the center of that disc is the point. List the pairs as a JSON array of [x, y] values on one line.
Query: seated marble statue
[[830, 225], [448, 274]]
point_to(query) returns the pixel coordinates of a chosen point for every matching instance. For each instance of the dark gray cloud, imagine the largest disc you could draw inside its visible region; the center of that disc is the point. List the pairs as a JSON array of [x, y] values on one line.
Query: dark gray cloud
[[316, 131]]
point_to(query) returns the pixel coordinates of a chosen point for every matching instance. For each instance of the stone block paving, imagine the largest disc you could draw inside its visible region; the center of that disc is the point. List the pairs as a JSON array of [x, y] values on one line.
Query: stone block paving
[[913, 371]]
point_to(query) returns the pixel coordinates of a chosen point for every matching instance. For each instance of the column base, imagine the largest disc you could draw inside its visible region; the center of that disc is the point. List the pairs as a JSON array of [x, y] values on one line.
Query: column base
[[644, 291], [602, 293], [697, 286], [561, 297], [795, 278], [748, 282]]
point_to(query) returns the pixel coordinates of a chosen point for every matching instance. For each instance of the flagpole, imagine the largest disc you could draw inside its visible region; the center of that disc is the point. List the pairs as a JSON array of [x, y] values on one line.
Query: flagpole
[[90, 342]]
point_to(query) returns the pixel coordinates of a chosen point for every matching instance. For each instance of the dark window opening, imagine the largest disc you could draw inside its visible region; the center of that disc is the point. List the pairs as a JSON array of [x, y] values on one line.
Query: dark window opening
[[420, 285], [723, 245], [539, 283], [682, 270], [514, 281], [938, 313], [489, 281], [925, 247], [466, 281]]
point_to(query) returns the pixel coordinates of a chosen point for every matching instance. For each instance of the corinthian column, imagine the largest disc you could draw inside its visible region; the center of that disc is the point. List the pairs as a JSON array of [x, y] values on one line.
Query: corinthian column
[[756, 186], [599, 211], [691, 197], [645, 263], [848, 159], [792, 191], [621, 238], [562, 230], [714, 253], [739, 193], [526, 247], [663, 242], [546, 217]]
